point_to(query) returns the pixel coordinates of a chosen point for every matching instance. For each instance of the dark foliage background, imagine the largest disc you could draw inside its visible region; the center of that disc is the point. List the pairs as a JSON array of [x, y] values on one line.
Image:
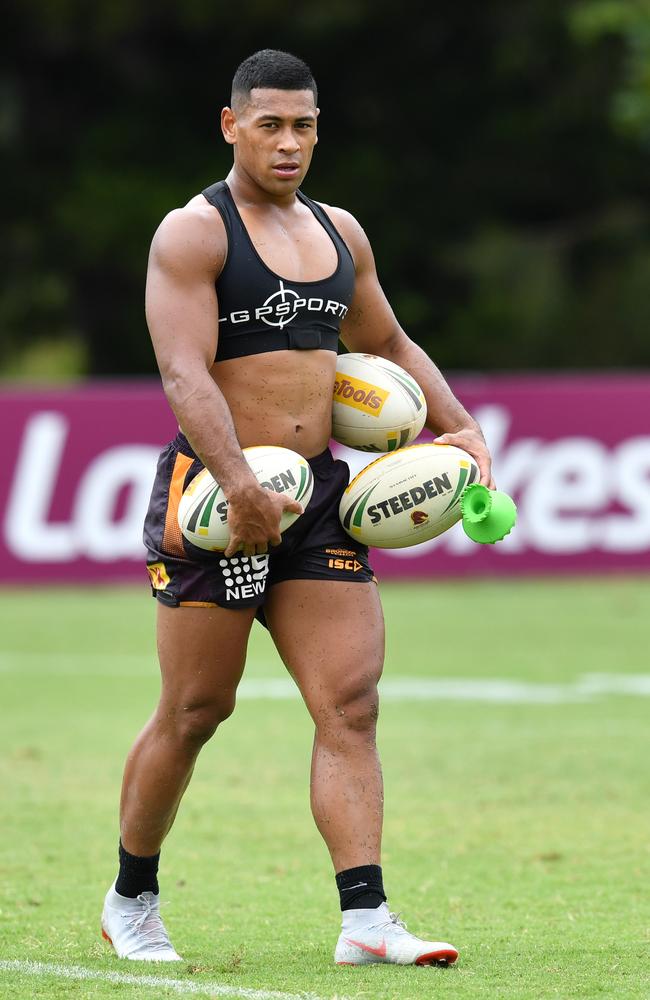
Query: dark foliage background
[[496, 154]]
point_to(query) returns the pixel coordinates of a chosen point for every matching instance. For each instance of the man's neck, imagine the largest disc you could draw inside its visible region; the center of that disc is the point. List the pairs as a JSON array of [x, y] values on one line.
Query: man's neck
[[246, 192]]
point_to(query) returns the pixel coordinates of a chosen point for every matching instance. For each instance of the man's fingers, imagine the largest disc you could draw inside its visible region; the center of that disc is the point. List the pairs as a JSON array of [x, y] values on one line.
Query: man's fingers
[[486, 478], [252, 548], [480, 455], [235, 545]]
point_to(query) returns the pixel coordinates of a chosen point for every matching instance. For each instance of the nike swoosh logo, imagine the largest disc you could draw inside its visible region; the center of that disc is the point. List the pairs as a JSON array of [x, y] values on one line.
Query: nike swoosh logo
[[380, 952], [359, 885]]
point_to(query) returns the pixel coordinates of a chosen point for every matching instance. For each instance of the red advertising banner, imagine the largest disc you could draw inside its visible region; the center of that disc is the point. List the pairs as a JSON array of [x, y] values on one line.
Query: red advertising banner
[[574, 452]]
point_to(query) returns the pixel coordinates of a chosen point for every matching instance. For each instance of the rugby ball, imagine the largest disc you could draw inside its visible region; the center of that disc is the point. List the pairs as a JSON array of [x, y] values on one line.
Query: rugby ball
[[409, 497], [376, 405], [203, 508]]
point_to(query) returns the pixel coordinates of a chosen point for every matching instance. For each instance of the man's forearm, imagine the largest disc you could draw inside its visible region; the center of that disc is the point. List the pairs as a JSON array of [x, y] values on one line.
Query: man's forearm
[[206, 421], [445, 414]]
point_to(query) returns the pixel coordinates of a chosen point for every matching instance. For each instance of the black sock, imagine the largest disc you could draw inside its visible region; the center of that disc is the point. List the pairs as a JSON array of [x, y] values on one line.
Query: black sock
[[361, 888], [137, 874]]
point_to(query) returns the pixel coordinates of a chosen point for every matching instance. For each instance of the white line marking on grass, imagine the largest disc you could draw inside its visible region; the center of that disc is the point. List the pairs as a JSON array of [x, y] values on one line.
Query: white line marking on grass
[[90, 665], [93, 664], [182, 986], [585, 688]]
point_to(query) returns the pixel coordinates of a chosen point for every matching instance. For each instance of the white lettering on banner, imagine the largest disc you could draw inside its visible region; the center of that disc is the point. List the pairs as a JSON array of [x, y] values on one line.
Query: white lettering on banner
[[92, 531], [589, 477], [560, 502], [631, 471], [563, 491], [100, 537], [27, 533], [574, 495]]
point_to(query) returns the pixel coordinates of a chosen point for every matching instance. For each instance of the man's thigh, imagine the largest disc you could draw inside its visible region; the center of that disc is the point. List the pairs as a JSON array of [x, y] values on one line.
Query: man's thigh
[[202, 651], [330, 635]]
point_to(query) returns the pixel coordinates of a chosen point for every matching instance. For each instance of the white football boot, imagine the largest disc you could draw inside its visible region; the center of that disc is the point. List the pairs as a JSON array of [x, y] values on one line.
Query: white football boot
[[377, 935], [135, 929]]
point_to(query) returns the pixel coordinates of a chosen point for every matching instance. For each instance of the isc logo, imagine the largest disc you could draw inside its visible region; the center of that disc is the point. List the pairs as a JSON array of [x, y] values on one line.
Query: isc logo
[[361, 395], [350, 564]]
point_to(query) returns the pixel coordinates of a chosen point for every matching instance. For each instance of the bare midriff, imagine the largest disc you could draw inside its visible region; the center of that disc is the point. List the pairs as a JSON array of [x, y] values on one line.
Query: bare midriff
[[282, 398]]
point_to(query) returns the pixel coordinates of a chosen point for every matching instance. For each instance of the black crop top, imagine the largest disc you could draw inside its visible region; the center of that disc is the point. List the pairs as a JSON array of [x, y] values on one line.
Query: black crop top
[[260, 311]]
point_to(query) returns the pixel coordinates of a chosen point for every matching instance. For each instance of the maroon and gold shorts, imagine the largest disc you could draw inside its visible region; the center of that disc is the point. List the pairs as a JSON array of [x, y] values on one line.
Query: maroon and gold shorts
[[315, 547]]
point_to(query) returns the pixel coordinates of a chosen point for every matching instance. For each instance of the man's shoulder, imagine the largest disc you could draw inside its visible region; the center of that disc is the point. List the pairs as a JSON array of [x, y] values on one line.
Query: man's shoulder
[[195, 231], [338, 215], [348, 226], [198, 215]]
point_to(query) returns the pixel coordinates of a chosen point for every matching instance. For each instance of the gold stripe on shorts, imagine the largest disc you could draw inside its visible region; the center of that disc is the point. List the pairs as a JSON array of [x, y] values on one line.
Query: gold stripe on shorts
[[197, 604], [172, 538]]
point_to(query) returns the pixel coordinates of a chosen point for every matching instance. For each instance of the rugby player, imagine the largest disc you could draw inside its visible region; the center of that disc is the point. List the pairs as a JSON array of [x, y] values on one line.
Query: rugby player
[[249, 288]]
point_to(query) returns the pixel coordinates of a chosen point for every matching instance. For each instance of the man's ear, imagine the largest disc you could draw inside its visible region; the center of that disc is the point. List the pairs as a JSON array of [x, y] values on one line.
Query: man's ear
[[229, 125]]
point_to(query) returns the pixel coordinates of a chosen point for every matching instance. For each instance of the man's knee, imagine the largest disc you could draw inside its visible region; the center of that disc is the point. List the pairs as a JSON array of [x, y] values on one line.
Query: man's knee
[[352, 711], [195, 721]]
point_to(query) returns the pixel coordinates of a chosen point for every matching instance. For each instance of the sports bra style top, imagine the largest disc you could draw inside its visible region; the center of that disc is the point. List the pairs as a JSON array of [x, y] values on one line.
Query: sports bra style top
[[258, 310]]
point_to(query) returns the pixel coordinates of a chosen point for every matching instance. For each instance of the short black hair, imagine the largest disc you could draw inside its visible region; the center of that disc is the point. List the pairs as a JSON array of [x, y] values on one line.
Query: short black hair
[[273, 70]]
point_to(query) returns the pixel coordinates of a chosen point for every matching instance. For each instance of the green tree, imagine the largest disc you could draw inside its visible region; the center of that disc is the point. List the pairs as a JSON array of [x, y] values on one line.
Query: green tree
[[482, 146], [629, 21]]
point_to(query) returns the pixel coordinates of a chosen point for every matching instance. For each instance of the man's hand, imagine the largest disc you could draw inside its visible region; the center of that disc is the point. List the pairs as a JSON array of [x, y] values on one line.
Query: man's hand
[[254, 520], [472, 441]]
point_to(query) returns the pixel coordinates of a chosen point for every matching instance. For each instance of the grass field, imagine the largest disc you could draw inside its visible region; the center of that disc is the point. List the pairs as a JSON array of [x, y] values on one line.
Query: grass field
[[517, 814]]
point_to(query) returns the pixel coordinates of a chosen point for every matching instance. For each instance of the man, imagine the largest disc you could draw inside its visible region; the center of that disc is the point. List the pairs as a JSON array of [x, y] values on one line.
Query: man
[[248, 289]]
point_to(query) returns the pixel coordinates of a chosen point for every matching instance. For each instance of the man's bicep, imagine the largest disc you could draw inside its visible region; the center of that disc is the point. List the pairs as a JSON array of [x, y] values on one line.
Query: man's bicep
[[182, 319], [180, 301]]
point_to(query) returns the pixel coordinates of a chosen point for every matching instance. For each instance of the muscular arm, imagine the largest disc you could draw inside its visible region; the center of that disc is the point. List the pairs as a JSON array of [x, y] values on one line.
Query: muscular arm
[[371, 327], [187, 254]]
